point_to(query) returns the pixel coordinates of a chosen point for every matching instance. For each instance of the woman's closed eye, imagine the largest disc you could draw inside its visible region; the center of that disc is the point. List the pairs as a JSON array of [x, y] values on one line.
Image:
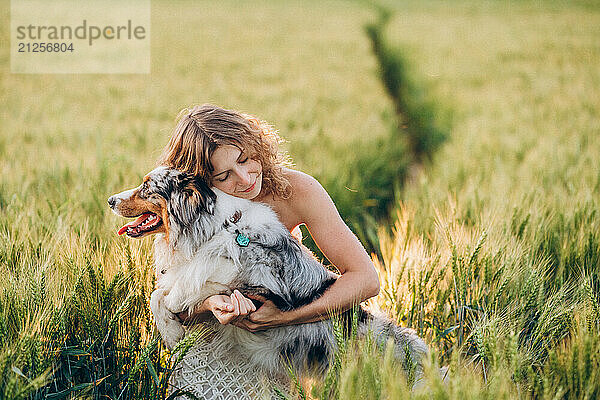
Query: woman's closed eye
[[242, 159], [224, 178]]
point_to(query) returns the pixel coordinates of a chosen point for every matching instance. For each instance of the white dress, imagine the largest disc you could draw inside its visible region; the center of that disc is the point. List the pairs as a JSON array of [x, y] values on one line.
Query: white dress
[[210, 373]]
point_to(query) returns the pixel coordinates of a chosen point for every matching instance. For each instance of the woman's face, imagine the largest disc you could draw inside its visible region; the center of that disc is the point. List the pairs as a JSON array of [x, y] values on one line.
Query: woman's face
[[235, 173]]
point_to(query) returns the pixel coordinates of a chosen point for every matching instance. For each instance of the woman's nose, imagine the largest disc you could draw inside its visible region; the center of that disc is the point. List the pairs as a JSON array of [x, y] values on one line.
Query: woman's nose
[[244, 177]]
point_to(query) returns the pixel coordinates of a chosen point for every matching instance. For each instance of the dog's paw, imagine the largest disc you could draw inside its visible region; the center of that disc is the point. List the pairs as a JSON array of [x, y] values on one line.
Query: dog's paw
[[167, 323], [172, 335], [170, 330], [157, 300]]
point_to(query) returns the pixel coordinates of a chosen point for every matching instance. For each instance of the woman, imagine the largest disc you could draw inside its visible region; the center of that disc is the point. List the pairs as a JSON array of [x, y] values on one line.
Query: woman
[[239, 155]]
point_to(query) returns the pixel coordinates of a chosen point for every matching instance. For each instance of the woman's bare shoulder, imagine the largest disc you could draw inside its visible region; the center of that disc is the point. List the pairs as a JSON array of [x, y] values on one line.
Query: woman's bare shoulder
[[302, 184], [291, 210], [309, 200]]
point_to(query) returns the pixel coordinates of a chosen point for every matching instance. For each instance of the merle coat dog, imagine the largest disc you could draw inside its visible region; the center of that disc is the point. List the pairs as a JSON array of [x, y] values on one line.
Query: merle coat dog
[[211, 243]]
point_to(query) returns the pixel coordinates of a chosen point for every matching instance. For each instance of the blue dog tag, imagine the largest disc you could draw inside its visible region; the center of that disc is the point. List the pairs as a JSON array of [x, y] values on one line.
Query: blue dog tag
[[242, 240]]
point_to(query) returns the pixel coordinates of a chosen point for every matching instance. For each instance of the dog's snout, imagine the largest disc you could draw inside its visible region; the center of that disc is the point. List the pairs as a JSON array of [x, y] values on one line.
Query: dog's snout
[[112, 201]]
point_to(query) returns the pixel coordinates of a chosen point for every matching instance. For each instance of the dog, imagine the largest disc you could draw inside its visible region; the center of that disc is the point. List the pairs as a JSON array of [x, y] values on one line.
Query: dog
[[209, 242]]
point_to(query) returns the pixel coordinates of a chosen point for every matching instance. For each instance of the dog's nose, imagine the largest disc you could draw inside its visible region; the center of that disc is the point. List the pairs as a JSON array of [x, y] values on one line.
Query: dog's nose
[[112, 201]]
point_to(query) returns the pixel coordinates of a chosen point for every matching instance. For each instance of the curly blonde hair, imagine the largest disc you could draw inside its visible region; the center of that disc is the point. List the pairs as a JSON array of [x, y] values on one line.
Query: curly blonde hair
[[200, 130]]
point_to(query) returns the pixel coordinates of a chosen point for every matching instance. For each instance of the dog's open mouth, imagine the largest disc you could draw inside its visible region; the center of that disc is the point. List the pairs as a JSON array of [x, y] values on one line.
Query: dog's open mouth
[[147, 222]]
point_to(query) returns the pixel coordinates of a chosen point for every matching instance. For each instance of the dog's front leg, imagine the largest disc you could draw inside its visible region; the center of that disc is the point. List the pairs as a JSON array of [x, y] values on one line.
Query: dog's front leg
[[167, 322]]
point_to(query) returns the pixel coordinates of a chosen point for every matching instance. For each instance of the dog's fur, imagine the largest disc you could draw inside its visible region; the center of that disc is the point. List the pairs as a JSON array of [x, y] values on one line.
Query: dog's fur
[[197, 255]]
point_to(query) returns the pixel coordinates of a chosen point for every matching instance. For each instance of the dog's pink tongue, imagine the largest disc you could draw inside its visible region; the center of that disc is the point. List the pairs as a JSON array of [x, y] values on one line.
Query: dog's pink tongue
[[132, 224]]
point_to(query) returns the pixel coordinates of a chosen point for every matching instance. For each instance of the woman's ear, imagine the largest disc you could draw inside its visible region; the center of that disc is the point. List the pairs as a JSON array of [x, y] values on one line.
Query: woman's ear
[[191, 197]]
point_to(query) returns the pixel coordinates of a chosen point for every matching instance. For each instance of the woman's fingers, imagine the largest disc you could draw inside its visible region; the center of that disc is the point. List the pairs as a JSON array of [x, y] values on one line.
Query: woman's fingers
[[226, 307], [221, 303], [248, 305], [257, 297], [247, 325], [232, 309], [236, 304], [225, 319], [244, 309], [222, 306]]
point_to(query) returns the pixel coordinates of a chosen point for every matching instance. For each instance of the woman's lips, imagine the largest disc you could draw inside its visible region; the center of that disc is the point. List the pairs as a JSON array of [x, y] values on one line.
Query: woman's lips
[[250, 188]]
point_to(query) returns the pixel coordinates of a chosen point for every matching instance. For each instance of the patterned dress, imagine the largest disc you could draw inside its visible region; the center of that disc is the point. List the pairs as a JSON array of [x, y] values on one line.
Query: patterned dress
[[210, 373]]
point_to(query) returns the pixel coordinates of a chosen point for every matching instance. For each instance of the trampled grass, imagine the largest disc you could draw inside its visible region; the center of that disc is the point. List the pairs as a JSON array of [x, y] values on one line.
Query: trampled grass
[[495, 254]]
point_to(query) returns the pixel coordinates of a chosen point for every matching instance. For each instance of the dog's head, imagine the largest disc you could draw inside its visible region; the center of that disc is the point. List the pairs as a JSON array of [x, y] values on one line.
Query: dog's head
[[166, 199]]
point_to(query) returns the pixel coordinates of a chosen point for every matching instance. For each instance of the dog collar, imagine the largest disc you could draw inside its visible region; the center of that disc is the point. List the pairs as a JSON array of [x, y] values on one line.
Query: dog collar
[[242, 239], [235, 217]]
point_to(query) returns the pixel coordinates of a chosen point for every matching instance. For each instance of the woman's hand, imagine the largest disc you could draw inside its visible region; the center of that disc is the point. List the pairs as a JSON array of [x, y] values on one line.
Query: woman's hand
[[267, 316], [230, 309], [240, 311], [226, 309]]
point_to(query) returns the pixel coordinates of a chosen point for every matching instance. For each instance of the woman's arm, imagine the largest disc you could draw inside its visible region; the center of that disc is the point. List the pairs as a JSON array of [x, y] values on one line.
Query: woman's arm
[[358, 281]]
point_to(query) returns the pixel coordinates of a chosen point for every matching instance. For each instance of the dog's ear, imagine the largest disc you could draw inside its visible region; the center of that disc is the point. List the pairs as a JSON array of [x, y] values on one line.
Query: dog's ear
[[190, 198]]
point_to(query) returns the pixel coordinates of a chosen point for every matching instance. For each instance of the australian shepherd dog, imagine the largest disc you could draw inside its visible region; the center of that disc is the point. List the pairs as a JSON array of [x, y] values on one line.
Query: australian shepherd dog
[[211, 243]]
